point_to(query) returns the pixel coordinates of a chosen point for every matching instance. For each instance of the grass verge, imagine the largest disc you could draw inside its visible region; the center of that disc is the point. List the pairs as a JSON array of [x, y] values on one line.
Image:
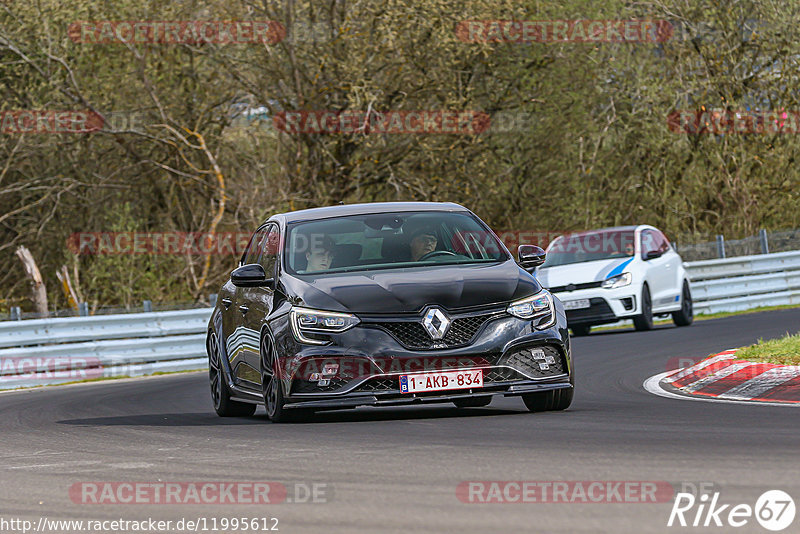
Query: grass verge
[[781, 351]]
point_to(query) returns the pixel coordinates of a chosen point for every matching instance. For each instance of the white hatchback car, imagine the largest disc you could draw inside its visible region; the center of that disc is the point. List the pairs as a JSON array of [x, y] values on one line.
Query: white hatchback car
[[626, 272]]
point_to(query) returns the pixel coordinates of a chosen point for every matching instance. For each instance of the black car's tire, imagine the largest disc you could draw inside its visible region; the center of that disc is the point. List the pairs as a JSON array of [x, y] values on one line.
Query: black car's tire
[[644, 321], [473, 402], [685, 315], [272, 388], [544, 401], [581, 330], [220, 394]]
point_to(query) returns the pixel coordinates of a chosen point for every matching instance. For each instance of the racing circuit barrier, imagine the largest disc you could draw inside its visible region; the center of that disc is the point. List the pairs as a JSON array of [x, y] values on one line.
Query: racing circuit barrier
[[745, 282], [50, 351]]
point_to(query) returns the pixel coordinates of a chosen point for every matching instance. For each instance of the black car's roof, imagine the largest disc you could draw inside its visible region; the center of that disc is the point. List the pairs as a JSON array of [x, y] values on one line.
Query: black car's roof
[[359, 209]]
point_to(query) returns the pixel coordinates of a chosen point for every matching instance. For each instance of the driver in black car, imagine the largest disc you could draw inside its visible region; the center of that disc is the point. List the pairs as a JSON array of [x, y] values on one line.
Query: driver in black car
[[423, 241], [320, 256]]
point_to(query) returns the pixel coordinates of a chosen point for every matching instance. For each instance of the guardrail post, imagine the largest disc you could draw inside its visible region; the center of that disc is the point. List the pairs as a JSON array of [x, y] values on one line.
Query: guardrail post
[[83, 309], [212, 299], [764, 243], [721, 246], [147, 305], [16, 313]]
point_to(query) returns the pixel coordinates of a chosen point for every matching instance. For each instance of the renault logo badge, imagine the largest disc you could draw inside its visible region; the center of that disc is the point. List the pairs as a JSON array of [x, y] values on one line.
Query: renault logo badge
[[436, 323]]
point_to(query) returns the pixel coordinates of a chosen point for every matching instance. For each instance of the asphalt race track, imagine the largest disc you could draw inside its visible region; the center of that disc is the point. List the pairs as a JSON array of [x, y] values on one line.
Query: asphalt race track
[[397, 469]]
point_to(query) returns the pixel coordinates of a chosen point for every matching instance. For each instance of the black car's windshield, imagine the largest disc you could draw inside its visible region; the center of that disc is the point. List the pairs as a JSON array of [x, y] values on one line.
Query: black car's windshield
[[590, 246], [389, 240]]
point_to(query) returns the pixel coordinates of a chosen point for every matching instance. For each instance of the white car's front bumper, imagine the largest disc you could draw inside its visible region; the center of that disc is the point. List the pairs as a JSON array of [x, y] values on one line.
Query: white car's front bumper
[[606, 305]]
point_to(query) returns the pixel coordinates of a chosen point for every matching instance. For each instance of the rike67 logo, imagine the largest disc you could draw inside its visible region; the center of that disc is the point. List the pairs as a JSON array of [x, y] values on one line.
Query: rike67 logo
[[774, 510]]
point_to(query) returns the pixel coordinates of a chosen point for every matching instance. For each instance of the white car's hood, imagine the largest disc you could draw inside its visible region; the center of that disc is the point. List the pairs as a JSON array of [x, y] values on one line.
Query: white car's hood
[[581, 273]]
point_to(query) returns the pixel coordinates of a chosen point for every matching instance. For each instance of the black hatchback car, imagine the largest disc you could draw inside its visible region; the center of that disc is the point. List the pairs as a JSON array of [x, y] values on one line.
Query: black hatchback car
[[384, 304]]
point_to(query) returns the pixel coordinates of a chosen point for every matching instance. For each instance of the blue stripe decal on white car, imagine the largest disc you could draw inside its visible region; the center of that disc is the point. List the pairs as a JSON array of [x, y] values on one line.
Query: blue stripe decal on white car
[[618, 269]]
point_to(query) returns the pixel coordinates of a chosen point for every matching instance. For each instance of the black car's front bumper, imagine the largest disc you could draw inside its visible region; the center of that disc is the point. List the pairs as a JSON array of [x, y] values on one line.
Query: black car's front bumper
[[373, 359], [354, 400]]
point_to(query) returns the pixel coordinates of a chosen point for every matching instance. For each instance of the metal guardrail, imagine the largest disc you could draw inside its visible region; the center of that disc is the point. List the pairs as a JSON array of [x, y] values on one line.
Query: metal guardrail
[[51, 351], [745, 282], [72, 329]]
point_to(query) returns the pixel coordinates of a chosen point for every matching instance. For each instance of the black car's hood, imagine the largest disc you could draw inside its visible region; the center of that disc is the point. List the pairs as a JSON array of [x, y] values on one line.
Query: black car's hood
[[410, 290]]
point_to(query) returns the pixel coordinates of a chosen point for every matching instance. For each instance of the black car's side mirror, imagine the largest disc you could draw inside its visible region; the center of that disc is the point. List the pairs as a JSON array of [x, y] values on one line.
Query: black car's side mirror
[[530, 256], [653, 254], [250, 275]]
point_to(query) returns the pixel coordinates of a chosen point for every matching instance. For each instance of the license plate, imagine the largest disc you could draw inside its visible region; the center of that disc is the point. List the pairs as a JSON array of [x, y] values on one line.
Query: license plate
[[576, 304], [441, 381]]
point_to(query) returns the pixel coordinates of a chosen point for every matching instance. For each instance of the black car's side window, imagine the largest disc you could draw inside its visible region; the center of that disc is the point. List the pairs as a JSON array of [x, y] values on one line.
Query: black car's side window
[[269, 250], [253, 251]]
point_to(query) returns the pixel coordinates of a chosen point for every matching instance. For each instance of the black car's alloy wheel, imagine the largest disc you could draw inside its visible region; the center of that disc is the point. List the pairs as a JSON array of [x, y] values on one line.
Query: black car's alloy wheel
[[220, 395], [685, 315], [557, 399], [272, 388], [644, 321]]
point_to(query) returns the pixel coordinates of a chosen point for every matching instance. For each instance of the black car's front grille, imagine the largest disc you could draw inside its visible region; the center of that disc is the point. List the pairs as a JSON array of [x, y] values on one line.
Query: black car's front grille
[[575, 287], [501, 374], [537, 362], [379, 384], [307, 386], [412, 335]]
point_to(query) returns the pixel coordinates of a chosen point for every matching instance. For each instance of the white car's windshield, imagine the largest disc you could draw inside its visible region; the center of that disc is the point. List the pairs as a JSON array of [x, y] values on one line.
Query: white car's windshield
[[388, 240], [590, 246]]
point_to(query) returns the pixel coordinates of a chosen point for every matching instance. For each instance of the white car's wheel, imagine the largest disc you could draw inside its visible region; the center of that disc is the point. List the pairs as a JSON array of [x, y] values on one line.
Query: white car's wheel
[[685, 315], [580, 330], [644, 321]]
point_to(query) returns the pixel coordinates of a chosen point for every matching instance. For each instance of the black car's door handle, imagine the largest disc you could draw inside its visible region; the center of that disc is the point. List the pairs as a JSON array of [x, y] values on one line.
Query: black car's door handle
[[227, 303], [244, 309]]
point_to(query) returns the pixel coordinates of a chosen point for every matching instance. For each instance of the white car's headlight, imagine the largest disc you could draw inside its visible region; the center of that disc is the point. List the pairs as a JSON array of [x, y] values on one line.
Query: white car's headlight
[[621, 280], [308, 321], [539, 308]]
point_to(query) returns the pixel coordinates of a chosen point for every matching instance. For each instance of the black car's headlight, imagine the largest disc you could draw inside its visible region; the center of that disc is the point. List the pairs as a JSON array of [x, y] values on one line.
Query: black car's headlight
[[539, 308], [308, 324], [621, 280]]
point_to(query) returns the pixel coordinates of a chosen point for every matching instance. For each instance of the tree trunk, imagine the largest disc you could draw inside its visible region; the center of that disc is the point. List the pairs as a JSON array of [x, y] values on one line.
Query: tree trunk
[[38, 290], [66, 284]]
